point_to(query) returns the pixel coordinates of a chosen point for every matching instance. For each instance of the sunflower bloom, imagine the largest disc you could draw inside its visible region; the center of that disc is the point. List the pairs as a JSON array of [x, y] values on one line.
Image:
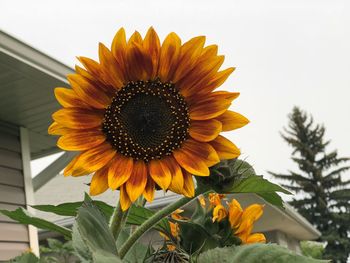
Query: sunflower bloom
[[234, 213], [147, 115], [244, 228]]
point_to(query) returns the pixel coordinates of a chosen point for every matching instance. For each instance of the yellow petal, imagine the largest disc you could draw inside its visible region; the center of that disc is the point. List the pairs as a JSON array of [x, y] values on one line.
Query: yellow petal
[[211, 106], [111, 67], [69, 168], [177, 181], [205, 131], [119, 171], [256, 238], [232, 120], [80, 140], [58, 129], [93, 159], [90, 94], [99, 182], [169, 56], [124, 199], [202, 150], [208, 85], [149, 190], [68, 98], [225, 148], [219, 213], [188, 189], [253, 212], [160, 173], [191, 163], [235, 213], [139, 63], [77, 118], [137, 181], [189, 54], [151, 45]]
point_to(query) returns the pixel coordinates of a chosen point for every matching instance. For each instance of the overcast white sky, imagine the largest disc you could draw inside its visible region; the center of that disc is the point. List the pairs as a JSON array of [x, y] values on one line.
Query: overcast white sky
[[287, 52]]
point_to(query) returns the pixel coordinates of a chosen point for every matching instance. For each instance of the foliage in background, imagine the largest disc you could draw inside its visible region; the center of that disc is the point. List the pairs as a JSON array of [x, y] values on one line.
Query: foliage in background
[[325, 202], [312, 249]]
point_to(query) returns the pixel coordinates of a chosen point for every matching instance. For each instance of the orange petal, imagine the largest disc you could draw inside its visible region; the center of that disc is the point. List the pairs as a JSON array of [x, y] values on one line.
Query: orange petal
[[232, 120], [191, 162], [99, 182], [78, 119], [135, 37], [118, 47], [124, 199], [189, 54], [151, 46], [208, 85], [211, 106], [177, 181], [120, 171], [94, 69], [90, 94], [149, 190], [225, 148], [68, 98], [205, 131], [169, 56], [69, 168], [204, 70], [202, 150], [160, 173], [137, 181], [256, 238], [94, 159], [119, 50], [80, 140], [58, 129], [111, 67], [188, 189], [139, 62]]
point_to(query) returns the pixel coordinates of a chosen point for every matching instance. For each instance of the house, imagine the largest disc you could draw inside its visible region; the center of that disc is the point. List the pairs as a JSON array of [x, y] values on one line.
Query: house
[[27, 80]]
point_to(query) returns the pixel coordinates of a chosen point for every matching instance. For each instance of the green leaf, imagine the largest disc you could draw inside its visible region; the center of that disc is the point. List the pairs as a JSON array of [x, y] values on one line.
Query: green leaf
[[80, 247], [273, 198], [260, 186], [138, 251], [257, 184], [93, 228], [139, 214], [256, 253], [105, 257], [25, 258], [24, 217], [70, 209]]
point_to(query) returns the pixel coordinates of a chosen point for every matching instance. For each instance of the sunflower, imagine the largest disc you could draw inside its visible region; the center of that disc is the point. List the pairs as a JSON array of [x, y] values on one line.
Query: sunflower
[[146, 116]]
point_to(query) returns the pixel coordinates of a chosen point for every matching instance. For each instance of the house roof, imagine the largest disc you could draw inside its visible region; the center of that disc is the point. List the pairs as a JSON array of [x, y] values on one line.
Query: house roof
[[27, 81]]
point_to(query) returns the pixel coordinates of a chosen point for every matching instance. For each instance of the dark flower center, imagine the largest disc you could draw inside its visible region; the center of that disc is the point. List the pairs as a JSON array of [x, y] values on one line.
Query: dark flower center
[[146, 120]]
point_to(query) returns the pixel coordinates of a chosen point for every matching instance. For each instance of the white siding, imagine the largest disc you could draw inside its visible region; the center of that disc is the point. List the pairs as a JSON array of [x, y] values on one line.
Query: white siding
[[14, 238]]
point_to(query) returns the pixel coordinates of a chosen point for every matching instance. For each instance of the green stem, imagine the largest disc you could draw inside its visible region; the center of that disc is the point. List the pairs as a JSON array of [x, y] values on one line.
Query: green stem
[[150, 222], [116, 221]]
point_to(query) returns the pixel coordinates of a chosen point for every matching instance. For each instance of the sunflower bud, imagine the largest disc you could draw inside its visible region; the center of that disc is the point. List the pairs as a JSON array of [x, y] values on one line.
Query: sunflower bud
[[219, 213], [225, 174]]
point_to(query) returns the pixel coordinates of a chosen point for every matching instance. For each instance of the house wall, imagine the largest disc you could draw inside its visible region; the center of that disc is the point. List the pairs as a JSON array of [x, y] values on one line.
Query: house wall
[[14, 238]]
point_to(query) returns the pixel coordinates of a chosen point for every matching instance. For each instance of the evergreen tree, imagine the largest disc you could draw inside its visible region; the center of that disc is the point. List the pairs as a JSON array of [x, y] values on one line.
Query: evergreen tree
[[325, 198]]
